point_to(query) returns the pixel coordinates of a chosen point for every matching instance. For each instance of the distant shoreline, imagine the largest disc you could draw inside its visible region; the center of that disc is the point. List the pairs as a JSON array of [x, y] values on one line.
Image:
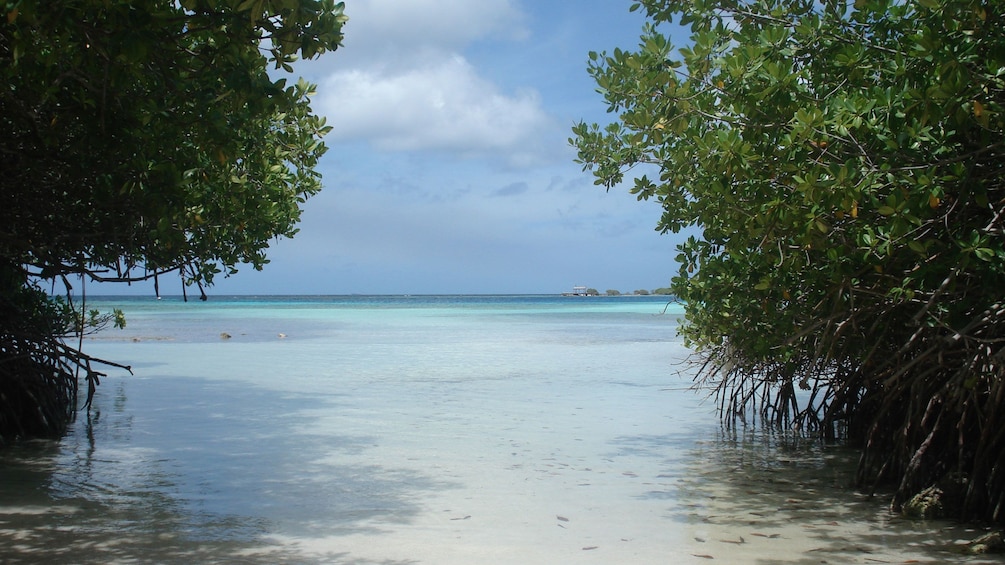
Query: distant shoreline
[[92, 296]]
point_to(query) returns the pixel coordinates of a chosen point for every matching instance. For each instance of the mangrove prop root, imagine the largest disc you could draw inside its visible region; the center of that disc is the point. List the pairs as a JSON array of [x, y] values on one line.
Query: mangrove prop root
[[926, 412]]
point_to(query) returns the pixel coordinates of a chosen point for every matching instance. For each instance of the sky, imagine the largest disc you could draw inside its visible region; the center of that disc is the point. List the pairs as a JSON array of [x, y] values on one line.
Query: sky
[[449, 168]]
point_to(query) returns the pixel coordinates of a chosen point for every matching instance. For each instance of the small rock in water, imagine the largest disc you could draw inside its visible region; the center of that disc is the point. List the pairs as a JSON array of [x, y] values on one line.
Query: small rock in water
[[224, 335], [988, 543], [926, 505]]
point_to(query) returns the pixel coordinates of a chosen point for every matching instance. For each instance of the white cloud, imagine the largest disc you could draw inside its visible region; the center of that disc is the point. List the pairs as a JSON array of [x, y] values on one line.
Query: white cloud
[[402, 83], [442, 105]]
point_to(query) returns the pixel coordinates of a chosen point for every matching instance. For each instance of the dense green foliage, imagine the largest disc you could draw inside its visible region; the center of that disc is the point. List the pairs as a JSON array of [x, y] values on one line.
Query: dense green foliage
[[151, 136], [843, 163]]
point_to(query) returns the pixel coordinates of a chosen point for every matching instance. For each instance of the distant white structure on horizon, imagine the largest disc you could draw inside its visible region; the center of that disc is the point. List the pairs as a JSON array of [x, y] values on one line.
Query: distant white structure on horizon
[[577, 291]]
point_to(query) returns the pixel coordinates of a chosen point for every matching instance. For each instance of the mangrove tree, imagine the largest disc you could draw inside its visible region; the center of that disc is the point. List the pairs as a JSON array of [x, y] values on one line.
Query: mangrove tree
[[841, 166], [140, 138]]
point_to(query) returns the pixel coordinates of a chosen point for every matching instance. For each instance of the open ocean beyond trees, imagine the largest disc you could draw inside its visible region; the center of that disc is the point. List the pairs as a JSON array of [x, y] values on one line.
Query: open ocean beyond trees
[[427, 429]]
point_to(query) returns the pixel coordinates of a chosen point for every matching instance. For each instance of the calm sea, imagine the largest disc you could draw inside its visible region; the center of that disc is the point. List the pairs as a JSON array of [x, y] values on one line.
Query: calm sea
[[414, 429]]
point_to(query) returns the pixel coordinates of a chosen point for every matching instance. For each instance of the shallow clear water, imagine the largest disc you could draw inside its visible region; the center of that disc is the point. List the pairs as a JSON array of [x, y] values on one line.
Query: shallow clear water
[[421, 430]]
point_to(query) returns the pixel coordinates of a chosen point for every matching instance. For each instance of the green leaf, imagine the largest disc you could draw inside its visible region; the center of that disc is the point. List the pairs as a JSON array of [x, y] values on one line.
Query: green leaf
[[984, 253]]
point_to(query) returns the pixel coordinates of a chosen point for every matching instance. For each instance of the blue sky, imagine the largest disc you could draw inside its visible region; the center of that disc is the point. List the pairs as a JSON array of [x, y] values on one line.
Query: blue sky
[[449, 168]]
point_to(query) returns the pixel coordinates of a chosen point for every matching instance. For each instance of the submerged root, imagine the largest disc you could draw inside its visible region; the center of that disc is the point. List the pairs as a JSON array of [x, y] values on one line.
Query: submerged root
[[931, 419], [39, 371]]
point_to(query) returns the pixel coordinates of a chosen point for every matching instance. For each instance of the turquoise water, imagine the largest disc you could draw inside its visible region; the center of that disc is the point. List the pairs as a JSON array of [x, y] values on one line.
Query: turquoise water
[[409, 429]]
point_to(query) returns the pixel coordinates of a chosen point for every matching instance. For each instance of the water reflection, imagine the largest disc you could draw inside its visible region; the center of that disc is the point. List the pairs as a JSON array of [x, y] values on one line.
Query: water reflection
[[181, 470], [774, 498], [190, 470]]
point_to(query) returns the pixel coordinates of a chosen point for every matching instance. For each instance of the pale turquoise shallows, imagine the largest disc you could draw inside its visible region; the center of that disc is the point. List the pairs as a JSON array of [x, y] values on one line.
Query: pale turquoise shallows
[[393, 430]]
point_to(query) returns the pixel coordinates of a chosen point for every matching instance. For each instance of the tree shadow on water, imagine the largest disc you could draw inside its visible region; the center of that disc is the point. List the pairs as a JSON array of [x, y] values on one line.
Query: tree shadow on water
[[769, 498], [180, 470]]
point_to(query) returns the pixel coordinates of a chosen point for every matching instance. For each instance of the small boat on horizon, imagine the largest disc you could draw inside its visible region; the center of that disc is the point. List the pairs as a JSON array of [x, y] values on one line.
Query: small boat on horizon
[[577, 291]]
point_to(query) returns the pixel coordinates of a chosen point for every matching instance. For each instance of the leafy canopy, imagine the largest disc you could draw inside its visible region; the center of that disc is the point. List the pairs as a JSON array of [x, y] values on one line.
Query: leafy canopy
[[843, 163], [142, 137]]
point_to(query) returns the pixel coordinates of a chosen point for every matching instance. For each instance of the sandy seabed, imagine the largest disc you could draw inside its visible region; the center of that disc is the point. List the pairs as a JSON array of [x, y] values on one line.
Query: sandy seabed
[[435, 441], [557, 521]]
